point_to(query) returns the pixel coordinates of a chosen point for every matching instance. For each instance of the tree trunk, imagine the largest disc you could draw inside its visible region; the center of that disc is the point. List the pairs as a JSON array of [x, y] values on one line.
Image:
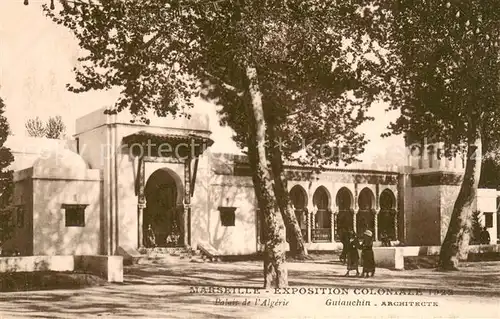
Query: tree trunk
[[275, 270], [296, 240], [456, 243]]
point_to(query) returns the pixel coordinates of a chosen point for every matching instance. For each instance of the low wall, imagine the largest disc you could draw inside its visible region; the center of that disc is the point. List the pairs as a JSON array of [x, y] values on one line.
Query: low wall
[[393, 257], [412, 251], [107, 267], [389, 257], [36, 263]]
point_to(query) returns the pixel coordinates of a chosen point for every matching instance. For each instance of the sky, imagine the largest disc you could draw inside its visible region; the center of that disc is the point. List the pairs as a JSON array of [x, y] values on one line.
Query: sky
[[36, 61]]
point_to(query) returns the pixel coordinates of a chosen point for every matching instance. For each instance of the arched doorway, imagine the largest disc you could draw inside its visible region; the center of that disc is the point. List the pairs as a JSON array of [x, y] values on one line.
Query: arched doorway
[[322, 227], [366, 217], [298, 197], [164, 210], [387, 215], [344, 220]]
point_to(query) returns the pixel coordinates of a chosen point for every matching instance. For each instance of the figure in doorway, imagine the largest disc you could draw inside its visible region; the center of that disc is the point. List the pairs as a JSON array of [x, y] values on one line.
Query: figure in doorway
[[150, 237], [485, 236], [352, 253], [367, 256], [385, 239], [174, 236]]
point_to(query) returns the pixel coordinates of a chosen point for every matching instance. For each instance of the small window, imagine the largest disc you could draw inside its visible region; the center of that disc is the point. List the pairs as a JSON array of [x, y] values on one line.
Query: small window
[[74, 215], [488, 220], [227, 216], [20, 216]]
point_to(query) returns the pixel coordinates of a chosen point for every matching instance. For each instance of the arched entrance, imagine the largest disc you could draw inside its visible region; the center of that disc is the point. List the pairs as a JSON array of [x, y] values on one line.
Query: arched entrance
[[323, 225], [366, 217], [298, 197], [344, 220], [164, 210], [387, 215]]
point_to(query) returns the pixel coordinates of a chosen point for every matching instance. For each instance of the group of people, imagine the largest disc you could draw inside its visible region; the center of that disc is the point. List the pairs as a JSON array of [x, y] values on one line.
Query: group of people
[[350, 255]]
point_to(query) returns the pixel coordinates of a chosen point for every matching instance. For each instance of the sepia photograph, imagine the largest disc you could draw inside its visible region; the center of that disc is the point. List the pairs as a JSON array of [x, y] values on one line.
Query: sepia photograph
[[249, 159]]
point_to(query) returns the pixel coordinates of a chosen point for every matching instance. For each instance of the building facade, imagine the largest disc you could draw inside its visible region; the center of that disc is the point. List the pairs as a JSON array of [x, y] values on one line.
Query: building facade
[[122, 186]]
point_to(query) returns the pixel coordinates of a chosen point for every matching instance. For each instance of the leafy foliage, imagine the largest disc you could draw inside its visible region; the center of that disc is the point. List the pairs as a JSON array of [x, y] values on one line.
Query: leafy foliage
[[320, 64], [55, 127], [448, 89], [448, 69], [6, 183], [476, 228], [35, 127]]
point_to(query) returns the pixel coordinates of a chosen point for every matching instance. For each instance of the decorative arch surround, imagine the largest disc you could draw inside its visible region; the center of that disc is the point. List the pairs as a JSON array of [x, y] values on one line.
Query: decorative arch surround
[[164, 193], [345, 204], [365, 218], [322, 221], [387, 215], [298, 196], [321, 198]]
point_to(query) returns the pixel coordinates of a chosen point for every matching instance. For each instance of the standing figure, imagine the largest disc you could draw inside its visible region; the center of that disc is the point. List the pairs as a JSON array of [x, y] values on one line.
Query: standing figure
[[352, 253], [367, 254], [485, 236], [150, 237], [344, 239]]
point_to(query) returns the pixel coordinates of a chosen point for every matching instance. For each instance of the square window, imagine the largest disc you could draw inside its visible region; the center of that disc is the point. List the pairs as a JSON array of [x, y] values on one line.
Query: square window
[[20, 216], [74, 215], [227, 216], [488, 220]]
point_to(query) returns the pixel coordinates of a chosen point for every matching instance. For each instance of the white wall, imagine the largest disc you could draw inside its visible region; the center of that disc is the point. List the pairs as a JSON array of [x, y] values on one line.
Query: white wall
[[50, 235], [234, 191], [486, 202]]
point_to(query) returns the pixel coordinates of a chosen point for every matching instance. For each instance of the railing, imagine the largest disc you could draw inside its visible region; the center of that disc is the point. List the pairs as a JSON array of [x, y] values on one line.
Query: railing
[[321, 235]]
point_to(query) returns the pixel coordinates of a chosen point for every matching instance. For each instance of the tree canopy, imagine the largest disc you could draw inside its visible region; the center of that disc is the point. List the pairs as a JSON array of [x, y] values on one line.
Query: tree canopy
[[448, 90], [6, 184], [319, 63]]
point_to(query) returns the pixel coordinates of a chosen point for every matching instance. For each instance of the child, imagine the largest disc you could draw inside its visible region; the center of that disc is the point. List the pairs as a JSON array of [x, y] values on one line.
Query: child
[[352, 253], [367, 254]]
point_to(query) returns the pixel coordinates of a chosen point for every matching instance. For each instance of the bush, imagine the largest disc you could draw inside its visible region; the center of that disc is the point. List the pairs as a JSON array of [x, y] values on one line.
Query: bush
[[475, 236], [6, 183]]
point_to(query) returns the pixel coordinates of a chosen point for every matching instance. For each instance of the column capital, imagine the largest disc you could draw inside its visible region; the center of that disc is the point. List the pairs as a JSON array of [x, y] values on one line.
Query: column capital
[[377, 210], [355, 211]]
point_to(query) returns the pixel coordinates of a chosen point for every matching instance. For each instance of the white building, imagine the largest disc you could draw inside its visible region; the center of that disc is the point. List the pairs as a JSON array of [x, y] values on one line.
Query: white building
[[98, 193]]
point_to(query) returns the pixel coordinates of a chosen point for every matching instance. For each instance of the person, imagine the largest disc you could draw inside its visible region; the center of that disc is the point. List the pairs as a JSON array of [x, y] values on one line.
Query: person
[[352, 253], [386, 241], [150, 237], [344, 238], [367, 254], [485, 236]]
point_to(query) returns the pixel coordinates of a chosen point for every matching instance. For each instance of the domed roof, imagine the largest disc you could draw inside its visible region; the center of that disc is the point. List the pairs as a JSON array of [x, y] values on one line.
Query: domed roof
[[63, 161]]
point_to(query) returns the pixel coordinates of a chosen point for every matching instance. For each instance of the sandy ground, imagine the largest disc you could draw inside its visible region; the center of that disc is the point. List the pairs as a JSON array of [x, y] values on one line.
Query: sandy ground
[[181, 290]]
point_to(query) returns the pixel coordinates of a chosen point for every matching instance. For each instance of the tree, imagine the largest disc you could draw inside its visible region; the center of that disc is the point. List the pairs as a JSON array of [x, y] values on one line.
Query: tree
[[36, 128], [6, 183], [55, 127], [264, 61], [448, 75]]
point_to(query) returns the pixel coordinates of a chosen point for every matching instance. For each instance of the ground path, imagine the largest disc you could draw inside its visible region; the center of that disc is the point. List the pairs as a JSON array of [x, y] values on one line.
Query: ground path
[[163, 291]]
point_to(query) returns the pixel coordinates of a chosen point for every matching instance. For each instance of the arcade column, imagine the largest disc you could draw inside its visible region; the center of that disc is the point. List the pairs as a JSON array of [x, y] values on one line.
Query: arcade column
[[187, 201], [141, 203]]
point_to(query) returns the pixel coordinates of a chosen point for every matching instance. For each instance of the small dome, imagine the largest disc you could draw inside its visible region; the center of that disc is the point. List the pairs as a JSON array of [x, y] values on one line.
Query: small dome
[[62, 161]]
